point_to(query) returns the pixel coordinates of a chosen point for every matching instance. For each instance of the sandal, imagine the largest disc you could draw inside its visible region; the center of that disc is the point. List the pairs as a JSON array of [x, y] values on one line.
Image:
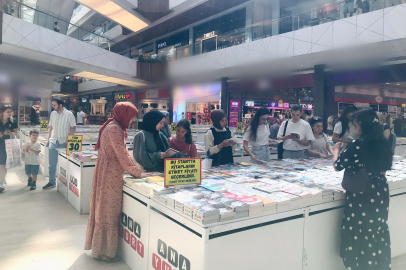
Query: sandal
[[107, 259]]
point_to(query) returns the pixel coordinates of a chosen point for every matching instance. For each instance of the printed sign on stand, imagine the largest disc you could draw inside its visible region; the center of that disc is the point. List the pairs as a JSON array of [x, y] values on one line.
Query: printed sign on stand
[[74, 144], [239, 127], [44, 125], [183, 171], [173, 128]]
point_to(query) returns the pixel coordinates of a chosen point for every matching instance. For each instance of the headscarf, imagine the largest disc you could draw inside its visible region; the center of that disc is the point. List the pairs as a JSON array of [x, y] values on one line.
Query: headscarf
[[216, 117], [151, 120], [123, 112]]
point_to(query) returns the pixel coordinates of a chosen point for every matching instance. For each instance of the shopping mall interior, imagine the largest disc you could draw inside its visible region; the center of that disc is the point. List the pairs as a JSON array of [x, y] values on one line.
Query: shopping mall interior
[[127, 134]]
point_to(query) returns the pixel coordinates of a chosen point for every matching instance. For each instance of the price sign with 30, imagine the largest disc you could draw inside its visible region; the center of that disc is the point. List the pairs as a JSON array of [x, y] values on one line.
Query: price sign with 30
[[74, 144], [239, 127], [44, 125]]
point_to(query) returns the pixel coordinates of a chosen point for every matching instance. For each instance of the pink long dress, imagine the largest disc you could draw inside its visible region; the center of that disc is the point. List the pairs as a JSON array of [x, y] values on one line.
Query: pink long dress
[[105, 204]]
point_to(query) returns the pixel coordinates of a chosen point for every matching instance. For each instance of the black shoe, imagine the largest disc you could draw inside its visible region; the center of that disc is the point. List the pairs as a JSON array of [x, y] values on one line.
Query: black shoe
[[29, 182], [49, 185], [33, 186]]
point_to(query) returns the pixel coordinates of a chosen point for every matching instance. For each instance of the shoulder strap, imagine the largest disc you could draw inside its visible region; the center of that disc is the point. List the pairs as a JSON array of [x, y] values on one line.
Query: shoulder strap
[[286, 126]]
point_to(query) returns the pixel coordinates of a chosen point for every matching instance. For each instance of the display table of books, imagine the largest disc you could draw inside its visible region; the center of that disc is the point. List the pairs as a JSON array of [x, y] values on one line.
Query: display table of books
[[282, 215], [75, 178]]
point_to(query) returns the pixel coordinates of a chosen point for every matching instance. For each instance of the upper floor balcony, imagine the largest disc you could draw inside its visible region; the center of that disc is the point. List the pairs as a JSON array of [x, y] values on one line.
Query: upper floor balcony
[[319, 29]]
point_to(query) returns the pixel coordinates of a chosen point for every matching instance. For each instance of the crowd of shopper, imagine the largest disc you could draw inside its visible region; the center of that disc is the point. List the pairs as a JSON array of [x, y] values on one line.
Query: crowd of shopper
[[363, 141]]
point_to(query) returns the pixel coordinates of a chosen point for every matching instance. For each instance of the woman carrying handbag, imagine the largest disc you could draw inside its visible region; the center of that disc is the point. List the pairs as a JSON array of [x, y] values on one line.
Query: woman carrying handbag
[[365, 240]]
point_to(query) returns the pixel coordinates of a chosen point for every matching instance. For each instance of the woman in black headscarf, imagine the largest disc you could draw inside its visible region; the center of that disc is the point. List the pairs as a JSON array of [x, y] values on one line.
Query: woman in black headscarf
[[150, 144], [217, 140]]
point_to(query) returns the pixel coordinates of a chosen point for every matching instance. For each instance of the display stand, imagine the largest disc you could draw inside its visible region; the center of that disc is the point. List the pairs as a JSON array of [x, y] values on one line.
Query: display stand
[[63, 174], [134, 229], [306, 238], [80, 184]]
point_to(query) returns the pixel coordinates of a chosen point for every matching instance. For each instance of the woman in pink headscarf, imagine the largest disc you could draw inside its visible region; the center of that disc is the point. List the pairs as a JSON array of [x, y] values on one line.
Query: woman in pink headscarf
[[105, 204]]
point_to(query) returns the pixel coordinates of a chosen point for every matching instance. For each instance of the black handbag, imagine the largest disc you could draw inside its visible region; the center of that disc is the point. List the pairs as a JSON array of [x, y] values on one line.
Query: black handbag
[[356, 182], [280, 145]]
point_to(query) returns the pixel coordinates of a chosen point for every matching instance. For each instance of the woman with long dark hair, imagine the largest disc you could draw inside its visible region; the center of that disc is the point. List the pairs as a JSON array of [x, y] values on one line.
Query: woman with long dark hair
[[344, 131], [217, 140], [257, 135], [319, 147], [8, 129], [183, 140], [150, 144], [365, 240]]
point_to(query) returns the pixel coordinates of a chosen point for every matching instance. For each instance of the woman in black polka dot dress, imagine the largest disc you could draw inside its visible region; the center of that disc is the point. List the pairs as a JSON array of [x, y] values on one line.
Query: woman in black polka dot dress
[[365, 239]]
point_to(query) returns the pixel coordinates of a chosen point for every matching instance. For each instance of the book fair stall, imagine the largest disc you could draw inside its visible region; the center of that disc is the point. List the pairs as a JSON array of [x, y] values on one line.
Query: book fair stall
[[272, 210]]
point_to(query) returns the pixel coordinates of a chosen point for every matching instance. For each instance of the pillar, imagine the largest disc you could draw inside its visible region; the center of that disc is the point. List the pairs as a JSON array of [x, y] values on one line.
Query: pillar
[[224, 95], [276, 15], [319, 100], [249, 21], [191, 40], [170, 103], [154, 47]]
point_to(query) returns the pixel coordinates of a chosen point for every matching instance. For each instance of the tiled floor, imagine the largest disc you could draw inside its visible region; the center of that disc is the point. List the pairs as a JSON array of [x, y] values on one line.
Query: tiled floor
[[40, 230]]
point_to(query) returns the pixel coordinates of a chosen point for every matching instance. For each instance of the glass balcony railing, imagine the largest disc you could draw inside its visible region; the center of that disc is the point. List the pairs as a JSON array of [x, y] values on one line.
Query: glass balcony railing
[[61, 25], [297, 20]]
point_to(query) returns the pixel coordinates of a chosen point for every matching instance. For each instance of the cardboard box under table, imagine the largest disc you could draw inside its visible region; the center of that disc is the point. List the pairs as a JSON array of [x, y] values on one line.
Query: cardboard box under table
[[307, 238]]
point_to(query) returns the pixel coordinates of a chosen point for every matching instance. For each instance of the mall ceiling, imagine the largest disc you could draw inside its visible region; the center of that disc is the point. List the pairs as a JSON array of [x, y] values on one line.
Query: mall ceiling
[[198, 13]]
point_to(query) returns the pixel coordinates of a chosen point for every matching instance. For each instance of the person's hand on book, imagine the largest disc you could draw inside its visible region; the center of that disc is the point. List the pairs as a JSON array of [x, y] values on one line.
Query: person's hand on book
[[164, 155]]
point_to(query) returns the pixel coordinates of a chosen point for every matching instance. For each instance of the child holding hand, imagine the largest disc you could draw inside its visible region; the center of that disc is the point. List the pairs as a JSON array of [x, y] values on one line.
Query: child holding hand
[[32, 161]]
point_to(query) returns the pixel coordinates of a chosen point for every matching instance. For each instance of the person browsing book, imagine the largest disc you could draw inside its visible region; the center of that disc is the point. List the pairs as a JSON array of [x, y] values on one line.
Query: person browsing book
[[217, 140], [344, 131], [296, 135], [319, 147], [150, 144], [257, 135], [183, 142]]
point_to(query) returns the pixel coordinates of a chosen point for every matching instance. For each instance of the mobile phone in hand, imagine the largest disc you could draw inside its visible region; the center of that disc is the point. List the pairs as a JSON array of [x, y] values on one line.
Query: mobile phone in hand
[[294, 135]]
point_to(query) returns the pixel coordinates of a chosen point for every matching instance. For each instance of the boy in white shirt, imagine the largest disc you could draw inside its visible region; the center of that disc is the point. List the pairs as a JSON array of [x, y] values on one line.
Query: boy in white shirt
[[32, 150]]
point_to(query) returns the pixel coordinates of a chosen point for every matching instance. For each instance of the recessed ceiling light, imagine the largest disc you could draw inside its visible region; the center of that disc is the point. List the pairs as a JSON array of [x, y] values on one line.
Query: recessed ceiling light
[[387, 83], [398, 84]]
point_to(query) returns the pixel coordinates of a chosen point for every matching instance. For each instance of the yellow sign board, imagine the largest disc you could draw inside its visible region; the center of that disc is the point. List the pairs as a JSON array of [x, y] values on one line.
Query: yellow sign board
[[183, 171], [44, 125], [239, 127], [173, 128], [74, 144]]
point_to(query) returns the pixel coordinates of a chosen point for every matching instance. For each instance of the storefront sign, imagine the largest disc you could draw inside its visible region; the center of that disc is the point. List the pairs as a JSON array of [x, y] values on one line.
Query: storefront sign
[[123, 96], [183, 171], [74, 144], [162, 45], [44, 125], [152, 94], [239, 127], [261, 104], [285, 105], [210, 35], [355, 76], [233, 116], [188, 115], [249, 103], [273, 104], [173, 128], [378, 99]]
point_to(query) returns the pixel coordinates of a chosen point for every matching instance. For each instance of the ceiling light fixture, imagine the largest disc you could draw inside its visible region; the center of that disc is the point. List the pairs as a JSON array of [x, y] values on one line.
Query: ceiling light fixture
[[115, 12], [104, 78]]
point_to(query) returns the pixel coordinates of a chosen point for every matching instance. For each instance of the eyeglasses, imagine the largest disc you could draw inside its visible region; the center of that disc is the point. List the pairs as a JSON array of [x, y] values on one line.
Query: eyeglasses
[[264, 119]]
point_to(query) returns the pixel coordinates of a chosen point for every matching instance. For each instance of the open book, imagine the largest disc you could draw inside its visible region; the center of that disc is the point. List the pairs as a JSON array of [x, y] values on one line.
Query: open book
[[171, 152]]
